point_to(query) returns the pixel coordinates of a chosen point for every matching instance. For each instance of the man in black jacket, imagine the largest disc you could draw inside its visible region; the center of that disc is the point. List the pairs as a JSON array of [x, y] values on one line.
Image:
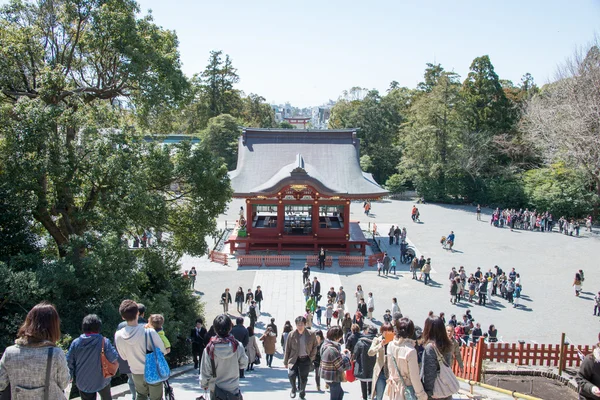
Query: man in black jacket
[[258, 297], [322, 258], [240, 332], [197, 338], [364, 362], [316, 290]]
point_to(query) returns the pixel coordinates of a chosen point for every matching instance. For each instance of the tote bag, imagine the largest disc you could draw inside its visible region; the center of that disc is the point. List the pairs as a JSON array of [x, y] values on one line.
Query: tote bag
[[445, 383], [350, 373], [156, 369]]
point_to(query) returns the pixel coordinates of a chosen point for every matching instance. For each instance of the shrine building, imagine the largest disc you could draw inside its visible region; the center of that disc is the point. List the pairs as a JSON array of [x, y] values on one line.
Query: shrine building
[[298, 185]]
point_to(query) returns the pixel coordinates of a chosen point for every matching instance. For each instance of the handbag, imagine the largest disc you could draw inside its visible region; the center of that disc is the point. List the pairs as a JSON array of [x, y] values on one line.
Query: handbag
[[445, 383], [350, 377], [409, 391], [156, 369], [257, 360], [109, 369]]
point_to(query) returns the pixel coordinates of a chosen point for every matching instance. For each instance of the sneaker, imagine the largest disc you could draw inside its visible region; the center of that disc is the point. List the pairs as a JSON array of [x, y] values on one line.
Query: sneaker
[[293, 394]]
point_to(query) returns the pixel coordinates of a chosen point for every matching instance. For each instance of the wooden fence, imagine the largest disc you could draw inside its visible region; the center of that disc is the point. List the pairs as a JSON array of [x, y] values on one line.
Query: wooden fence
[[374, 257], [351, 261], [216, 256], [248, 259], [277, 261], [313, 261]]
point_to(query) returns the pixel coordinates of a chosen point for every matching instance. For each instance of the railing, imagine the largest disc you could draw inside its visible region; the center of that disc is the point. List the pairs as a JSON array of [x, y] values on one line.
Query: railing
[[313, 261], [277, 261], [374, 257], [248, 259], [216, 256], [351, 261]]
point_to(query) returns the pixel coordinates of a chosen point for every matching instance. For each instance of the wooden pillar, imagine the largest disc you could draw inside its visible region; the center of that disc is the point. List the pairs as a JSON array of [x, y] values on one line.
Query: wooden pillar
[[280, 217], [347, 219], [248, 215], [315, 218]]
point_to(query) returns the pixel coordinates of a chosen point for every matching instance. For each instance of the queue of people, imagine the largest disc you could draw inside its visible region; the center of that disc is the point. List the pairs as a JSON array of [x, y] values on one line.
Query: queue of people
[[536, 221]]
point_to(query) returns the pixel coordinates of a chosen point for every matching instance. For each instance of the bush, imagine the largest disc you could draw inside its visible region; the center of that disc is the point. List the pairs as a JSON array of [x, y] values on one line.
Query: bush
[[396, 184]]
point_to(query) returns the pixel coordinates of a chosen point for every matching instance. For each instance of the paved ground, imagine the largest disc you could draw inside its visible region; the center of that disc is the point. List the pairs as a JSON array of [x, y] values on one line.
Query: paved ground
[[546, 261]]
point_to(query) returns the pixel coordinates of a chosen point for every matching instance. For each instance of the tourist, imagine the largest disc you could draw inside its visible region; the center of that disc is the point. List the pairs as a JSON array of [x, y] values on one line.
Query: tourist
[[192, 274], [331, 295], [223, 355], [588, 223], [359, 294], [305, 274], [252, 313], [395, 306], [379, 349], [309, 319], [454, 290], [240, 333], [339, 312], [347, 325], [386, 263], [492, 334], [226, 300], [517, 297], [478, 212], [317, 361], [258, 297], [426, 270], [362, 307], [328, 314], [239, 300], [577, 283], [482, 290], [269, 339], [355, 335], [364, 362], [24, 364], [477, 333], [403, 364], [341, 295], [311, 304], [588, 376], [597, 304], [414, 267], [391, 235], [273, 326], [156, 322], [334, 362], [450, 240], [413, 213], [316, 290], [455, 347], [436, 342], [322, 258], [393, 265], [397, 233], [387, 317], [252, 350], [318, 313], [300, 352], [197, 336], [84, 363], [249, 300], [287, 329], [131, 342], [370, 306], [307, 290], [123, 365]]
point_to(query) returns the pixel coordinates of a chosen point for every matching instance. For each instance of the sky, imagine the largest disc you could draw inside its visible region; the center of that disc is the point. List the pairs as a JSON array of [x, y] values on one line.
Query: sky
[[307, 52]]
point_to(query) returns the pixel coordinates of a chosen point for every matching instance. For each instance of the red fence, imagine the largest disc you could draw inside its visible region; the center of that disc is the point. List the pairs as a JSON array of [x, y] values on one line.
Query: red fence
[[277, 261], [245, 260], [374, 257], [472, 362], [313, 261], [351, 261], [219, 257]]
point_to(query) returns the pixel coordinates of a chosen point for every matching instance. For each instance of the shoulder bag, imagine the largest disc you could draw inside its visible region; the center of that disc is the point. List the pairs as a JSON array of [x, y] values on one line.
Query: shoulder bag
[[109, 369], [156, 369], [221, 394], [409, 391], [445, 383]]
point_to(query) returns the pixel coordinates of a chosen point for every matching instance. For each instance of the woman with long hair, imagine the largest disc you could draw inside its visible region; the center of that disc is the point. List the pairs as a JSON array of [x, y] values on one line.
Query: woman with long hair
[[379, 349], [403, 364], [269, 339], [317, 361], [334, 362], [34, 361], [435, 340]]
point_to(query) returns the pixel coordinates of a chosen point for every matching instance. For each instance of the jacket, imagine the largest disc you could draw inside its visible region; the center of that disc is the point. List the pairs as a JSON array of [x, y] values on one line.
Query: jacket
[[252, 350], [363, 309], [352, 341], [23, 365], [131, 345], [226, 297], [333, 362], [227, 365], [269, 342], [123, 365], [377, 349], [239, 297], [197, 338], [258, 295], [241, 334], [426, 268], [292, 346], [365, 363], [588, 375], [456, 353], [316, 288], [370, 303], [84, 363], [430, 367], [404, 353]]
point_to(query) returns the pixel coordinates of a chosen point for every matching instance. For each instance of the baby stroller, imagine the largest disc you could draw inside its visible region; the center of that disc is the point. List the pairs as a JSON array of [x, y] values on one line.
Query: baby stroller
[[407, 256], [446, 244]]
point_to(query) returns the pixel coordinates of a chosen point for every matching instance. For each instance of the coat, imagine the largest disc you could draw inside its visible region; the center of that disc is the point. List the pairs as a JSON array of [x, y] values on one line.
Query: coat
[[269, 342], [404, 353], [588, 375], [252, 350], [84, 361], [333, 362], [365, 363], [241, 334], [377, 349], [430, 367], [292, 346]]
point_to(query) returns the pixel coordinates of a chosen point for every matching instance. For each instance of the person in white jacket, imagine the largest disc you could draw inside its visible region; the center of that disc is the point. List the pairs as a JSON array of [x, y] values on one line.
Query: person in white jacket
[[132, 343], [370, 306]]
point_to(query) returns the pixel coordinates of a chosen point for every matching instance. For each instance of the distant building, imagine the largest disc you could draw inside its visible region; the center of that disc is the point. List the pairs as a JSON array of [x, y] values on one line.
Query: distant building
[[299, 122]]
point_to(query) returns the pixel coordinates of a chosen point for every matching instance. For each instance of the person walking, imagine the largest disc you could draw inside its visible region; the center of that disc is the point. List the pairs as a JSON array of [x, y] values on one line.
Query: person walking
[[317, 361], [305, 274], [239, 300], [240, 333], [436, 343], [359, 294], [322, 258], [393, 263], [395, 307], [379, 350], [391, 235], [193, 273], [197, 335], [252, 314], [84, 361], [426, 271], [258, 297], [123, 365], [370, 306], [34, 362], [226, 301], [223, 355], [300, 352], [316, 290], [455, 347], [386, 263], [403, 364], [252, 350], [334, 362], [414, 267], [131, 343], [364, 362], [577, 283], [269, 341]]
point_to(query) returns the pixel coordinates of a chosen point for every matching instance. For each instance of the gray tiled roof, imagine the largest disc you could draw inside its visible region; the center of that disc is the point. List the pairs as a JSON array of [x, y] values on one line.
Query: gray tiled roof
[[326, 159]]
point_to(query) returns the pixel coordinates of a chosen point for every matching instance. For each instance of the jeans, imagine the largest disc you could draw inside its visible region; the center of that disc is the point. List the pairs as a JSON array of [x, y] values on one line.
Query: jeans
[[240, 306], [427, 279], [366, 388], [299, 371], [596, 310], [225, 307], [269, 358], [146, 391], [131, 386], [104, 394], [380, 386], [318, 377], [335, 391], [258, 302]]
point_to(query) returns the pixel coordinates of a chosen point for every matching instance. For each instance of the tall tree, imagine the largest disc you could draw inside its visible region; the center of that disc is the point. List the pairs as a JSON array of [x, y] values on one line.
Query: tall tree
[[220, 138], [257, 113], [432, 73], [218, 79]]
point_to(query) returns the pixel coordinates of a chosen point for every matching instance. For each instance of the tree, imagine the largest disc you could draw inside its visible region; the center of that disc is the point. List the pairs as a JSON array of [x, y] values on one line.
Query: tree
[[217, 83], [432, 73], [220, 138], [286, 125], [257, 113], [563, 119]]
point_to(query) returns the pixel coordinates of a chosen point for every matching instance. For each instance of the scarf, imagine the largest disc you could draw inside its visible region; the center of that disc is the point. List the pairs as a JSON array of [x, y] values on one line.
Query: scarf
[[221, 340]]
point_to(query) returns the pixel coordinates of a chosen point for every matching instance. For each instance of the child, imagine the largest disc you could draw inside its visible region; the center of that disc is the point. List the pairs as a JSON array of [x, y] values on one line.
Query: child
[[329, 314], [157, 321], [339, 311], [319, 312], [387, 317], [309, 318], [393, 265]]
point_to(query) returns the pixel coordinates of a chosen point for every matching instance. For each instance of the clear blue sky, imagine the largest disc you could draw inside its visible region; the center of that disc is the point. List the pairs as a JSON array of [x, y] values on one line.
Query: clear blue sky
[[307, 52]]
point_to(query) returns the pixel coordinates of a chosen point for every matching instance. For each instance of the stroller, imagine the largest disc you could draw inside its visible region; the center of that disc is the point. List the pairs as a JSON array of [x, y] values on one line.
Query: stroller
[[407, 256], [446, 244]]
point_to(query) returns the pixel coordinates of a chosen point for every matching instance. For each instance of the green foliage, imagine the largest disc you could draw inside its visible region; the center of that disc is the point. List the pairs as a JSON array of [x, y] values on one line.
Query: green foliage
[[396, 184], [286, 125], [257, 113], [562, 191], [221, 138]]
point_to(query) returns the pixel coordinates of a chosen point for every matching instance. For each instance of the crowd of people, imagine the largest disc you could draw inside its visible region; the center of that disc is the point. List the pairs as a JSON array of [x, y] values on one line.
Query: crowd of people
[[535, 221], [480, 287]]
